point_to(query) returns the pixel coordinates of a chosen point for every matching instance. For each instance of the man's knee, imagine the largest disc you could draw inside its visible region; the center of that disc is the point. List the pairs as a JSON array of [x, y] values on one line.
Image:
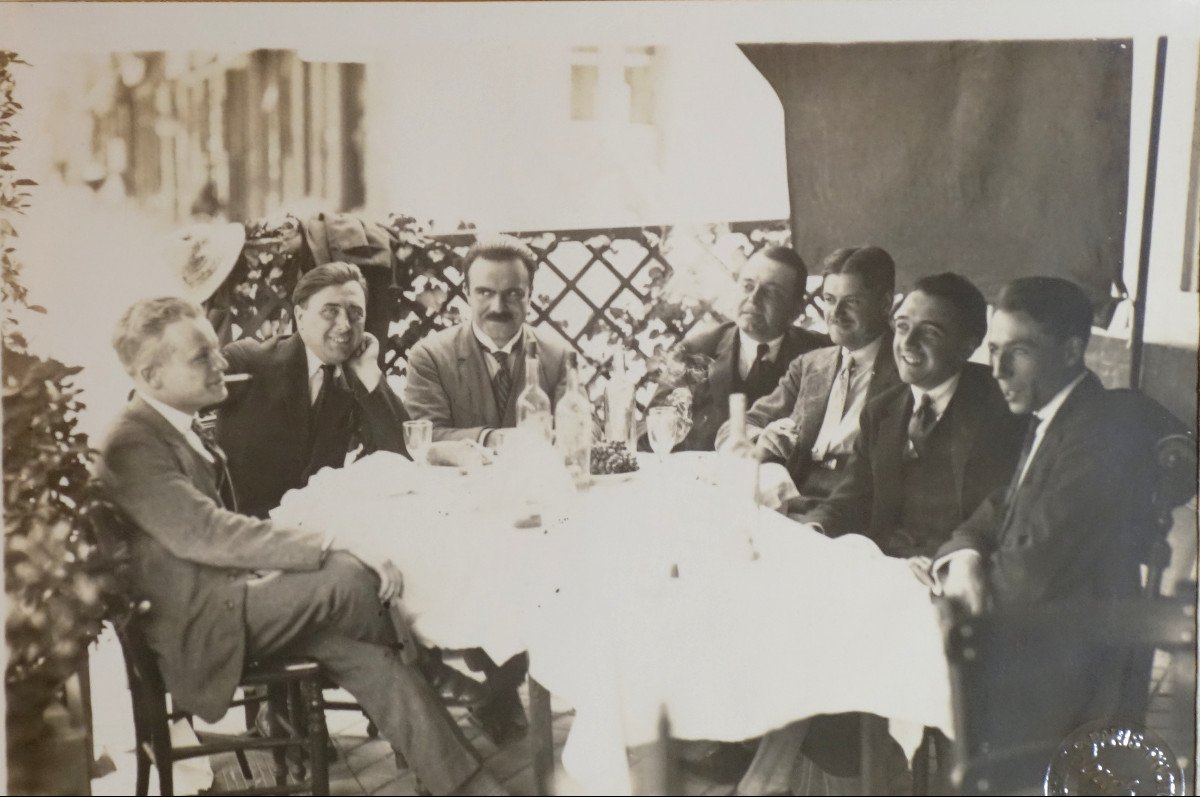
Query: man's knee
[[351, 590]]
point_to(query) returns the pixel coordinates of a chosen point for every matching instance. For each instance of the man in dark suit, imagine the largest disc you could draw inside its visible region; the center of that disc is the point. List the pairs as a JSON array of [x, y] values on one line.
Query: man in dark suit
[[932, 448], [201, 563], [1065, 525], [307, 400], [466, 379], [749, 354], [309, 397], [929, 451], [810, 420]]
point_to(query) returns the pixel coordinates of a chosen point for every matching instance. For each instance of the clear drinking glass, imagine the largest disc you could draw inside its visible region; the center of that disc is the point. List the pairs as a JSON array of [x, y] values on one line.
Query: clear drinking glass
[[663, 427], [418, 437]]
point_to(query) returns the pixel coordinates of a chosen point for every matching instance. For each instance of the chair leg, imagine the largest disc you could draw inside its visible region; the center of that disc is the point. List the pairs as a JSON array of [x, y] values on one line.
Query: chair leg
[[541, 723], [142, 788], [318, 736], [297, 715], [277, 700]]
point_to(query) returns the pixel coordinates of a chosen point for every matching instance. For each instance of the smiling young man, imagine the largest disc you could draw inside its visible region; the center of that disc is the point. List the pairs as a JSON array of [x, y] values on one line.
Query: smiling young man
[[928, 452], [810, 419], [466, 379], [199, 561], [1061, 526], [1069, 523], [307, 398], [932, 448]]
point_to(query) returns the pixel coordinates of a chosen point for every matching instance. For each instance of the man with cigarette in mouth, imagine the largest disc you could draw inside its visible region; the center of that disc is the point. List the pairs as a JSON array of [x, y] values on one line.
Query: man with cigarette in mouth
[[200, 562]]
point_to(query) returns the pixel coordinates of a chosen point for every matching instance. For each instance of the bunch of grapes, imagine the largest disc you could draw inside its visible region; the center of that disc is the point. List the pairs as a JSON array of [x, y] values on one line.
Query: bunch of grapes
[[612, 457]]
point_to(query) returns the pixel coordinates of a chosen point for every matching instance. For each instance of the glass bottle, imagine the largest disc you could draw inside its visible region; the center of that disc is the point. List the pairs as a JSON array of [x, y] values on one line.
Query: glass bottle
[[533, 405], [573, 424]]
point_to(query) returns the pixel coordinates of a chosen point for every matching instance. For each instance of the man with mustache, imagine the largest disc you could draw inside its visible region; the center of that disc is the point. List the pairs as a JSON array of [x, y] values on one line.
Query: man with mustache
[[748, 354], [200, 562], [466, 379], [810, 420]]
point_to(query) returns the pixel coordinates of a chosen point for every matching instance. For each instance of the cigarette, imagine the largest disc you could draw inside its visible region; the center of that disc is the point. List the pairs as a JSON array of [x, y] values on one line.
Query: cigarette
[[236, 377]]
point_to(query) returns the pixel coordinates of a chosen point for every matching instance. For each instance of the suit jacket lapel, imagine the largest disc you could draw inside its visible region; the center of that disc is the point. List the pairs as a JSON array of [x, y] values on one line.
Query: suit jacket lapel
[[888, 455], [1040, 462], [963, 417], [720, 370], [295, 387], [199, 470], [814, 395], [883, 372]]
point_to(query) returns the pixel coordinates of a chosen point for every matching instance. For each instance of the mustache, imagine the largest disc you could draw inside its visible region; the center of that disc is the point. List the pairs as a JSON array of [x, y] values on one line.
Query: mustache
[[501, 316]]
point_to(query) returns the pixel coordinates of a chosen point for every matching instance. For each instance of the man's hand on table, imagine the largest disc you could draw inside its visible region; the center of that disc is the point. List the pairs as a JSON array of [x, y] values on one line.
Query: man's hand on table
[[964, 581], [920, 566], [776, 441], [494, 439], [775, 487], [458, 453]]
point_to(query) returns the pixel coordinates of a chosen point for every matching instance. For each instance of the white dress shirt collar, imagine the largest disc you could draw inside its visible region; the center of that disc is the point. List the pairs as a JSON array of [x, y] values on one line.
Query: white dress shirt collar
[[748, 351], [940, 396], [487, 343], [314, 374], [179, 420], [863, 356], [1047, 411]]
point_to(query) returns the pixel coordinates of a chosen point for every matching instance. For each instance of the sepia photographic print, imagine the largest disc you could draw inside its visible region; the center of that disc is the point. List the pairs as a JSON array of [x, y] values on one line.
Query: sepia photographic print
[[709, 398]]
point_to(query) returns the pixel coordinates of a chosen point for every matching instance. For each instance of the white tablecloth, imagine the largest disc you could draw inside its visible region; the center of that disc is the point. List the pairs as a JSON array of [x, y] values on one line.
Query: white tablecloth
[[732, 648]]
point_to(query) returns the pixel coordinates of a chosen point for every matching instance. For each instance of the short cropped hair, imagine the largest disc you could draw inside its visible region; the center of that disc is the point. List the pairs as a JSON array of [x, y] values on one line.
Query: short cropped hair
[[968, 304], [500, 247], [324, 275], [872, 264], [143, 324], [1058, 305], [787, 256]]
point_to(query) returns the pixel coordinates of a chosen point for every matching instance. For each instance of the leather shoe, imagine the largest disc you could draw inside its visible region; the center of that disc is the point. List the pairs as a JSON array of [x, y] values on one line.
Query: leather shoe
[[719, 762], [453, 687], [502, 718]]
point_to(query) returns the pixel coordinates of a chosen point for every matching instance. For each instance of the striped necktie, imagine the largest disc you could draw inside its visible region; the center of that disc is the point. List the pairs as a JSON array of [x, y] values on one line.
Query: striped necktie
[[502, 381], [220, 464], [919, 426]]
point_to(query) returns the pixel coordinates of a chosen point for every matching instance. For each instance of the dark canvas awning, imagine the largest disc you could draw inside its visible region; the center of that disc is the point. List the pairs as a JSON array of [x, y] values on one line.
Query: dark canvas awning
[[992, 159]]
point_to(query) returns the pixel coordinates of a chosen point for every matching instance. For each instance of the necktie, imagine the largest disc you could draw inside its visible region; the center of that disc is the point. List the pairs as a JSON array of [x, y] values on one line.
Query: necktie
[[839, 396], [919, 426], [502, 381], [1026, 450], [841, 388], [759, 363], [327, 430], [220, 464]]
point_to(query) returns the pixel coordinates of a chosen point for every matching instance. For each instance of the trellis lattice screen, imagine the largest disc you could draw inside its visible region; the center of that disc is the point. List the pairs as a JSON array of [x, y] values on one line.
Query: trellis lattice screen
[[637, 290]]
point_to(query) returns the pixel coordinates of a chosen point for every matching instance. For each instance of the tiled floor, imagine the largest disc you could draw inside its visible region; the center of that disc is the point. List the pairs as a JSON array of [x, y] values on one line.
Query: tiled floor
[[366, 766]]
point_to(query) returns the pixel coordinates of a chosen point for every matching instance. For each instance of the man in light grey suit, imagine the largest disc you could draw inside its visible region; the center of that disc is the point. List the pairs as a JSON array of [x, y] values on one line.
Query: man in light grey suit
[[810, 421], [466, 379], [202, 564]]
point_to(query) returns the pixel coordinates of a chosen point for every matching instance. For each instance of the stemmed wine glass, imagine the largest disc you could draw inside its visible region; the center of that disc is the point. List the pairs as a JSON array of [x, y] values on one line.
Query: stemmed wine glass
[[663, 427]]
